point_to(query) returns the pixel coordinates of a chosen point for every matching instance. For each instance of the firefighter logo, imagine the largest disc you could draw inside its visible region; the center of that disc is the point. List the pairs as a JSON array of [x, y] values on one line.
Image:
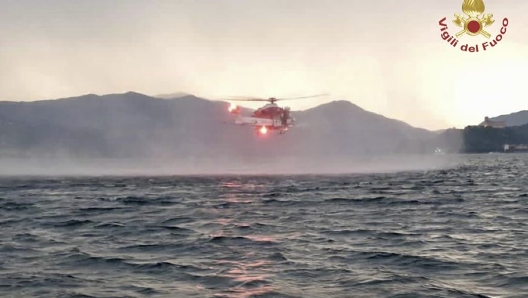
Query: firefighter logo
[[473, 23]]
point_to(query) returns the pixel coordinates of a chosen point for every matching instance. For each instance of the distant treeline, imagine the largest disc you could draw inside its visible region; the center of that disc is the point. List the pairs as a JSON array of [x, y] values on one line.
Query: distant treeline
[[479, 139]]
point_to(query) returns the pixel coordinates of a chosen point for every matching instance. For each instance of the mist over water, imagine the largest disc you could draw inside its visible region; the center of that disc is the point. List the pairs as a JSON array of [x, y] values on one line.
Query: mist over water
[[266, 165], [134, 134]]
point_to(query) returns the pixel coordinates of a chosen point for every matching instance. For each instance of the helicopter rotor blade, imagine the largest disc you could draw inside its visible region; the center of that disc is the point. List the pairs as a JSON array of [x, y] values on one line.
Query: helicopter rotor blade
[[246, 99], [271, 99], [300, 97]]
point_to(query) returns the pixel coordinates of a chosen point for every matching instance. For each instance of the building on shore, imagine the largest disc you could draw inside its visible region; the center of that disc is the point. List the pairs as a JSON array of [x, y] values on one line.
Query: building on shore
[[489, 123], [508, 148]]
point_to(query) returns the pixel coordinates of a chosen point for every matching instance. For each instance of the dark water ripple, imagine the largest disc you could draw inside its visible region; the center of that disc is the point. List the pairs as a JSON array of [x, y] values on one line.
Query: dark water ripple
[[458, 232]]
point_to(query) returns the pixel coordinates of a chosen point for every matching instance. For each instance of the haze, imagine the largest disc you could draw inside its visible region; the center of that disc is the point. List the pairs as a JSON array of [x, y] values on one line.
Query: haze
[[385, 56]]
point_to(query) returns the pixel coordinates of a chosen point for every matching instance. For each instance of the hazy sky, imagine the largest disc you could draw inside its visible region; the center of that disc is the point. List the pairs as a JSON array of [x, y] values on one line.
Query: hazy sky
[[386, 56]]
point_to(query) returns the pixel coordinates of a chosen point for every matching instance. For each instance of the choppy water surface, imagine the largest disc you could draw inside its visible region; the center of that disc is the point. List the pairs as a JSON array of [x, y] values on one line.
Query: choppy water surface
[[458, 232]]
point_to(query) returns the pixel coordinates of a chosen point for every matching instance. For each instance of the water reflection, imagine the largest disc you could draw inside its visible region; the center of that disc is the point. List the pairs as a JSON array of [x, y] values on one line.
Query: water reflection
[[250, 276], [248, 269]]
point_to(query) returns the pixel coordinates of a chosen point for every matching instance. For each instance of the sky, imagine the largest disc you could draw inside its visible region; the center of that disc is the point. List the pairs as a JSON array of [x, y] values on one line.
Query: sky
[[386, 56]]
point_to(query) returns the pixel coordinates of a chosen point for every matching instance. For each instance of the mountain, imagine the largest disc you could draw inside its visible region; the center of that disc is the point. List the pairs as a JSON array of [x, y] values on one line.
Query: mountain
[[342, 128], [134, 126], [513, 119], [172, 95]]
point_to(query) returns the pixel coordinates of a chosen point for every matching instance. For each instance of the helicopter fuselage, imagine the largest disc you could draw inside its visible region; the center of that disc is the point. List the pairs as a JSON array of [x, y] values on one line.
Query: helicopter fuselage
[[268, 111], [268, 117]]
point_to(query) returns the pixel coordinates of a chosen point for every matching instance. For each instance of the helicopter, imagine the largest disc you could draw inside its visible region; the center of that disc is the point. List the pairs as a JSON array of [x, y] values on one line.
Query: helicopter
[[269, 117]]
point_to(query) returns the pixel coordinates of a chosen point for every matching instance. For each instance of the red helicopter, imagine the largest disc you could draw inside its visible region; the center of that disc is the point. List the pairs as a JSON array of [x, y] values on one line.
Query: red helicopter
[[270, 117]]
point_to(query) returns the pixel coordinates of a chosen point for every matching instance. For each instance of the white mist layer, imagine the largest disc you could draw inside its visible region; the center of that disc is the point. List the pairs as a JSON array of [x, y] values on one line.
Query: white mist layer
[[264, 166]]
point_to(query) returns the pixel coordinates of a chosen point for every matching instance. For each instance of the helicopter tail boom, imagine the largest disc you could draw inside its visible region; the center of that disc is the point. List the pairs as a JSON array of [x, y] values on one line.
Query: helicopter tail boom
[[241, 120]]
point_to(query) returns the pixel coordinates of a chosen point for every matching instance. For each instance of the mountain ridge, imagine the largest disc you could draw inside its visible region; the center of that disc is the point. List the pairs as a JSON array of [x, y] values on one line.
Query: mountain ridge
[[135, 125], [187, 96], [512, 119], [189, 134]]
